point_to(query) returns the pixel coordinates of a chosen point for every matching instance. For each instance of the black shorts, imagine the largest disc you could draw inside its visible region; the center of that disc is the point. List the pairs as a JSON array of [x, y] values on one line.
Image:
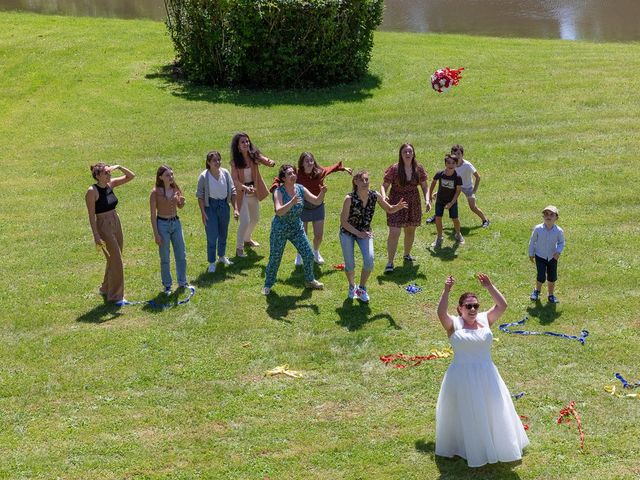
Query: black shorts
[[547, 269]]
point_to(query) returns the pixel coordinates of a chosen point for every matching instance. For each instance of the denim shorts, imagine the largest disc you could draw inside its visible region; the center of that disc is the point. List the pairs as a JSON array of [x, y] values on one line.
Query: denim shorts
[[312, 214]]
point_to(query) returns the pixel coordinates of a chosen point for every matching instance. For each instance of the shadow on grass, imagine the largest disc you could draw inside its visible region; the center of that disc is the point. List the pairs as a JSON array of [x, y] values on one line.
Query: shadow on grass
[[297, 275], [355, 314], [161, 302], [279, 307], [402, 275], [351, 92], [457, 468], [467, 231], [546, 313], [102, 313], [448, 252], [206, 279]]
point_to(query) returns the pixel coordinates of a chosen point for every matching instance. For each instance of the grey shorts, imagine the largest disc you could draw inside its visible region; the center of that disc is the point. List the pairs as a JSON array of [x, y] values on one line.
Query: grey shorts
[[312, 214], [468, 191]]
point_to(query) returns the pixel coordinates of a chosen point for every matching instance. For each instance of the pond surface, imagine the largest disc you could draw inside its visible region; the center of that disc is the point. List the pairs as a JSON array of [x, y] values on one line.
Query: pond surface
[[596, 20]]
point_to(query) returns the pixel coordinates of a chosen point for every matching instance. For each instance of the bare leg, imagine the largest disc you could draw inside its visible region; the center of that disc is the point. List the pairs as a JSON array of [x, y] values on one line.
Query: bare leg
[[318, 233], [351, 277], [474, 208], [409, 237], [456, 225], [364, 276], [439, 226], [392, 243]]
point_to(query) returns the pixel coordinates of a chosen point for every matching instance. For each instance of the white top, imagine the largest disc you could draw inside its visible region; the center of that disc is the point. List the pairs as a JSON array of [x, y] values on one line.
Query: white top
[[466, 171], [218, 188]]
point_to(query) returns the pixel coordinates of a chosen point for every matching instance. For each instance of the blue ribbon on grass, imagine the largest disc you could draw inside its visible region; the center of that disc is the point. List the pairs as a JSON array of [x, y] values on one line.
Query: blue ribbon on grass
[[626, 384], [505, 327]]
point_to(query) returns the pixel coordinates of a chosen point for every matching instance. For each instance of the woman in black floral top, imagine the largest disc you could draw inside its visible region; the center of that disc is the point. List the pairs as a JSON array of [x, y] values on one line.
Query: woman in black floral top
[[355, 227]]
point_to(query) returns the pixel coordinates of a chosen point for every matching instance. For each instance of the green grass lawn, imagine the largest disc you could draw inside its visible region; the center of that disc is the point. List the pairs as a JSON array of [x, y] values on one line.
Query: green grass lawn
[[87, 391]]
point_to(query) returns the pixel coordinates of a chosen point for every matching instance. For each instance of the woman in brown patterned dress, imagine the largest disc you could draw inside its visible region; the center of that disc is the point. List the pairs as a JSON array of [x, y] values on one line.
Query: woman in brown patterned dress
[[401, 180]]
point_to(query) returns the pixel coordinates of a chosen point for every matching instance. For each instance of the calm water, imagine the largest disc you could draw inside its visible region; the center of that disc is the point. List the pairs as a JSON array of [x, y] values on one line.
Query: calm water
[[598, 20]]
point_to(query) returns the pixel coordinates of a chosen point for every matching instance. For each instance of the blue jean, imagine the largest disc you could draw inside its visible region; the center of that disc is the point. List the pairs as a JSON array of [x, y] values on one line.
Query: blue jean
[[171, 233], [347, 242], [217, 228]]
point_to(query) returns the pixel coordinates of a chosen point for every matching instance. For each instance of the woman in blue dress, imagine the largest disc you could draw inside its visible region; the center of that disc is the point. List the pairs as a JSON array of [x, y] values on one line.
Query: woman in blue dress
[[288, 201]]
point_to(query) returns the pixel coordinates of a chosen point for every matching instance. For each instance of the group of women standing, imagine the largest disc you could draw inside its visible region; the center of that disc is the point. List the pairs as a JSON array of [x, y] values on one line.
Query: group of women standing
[[298, 196]]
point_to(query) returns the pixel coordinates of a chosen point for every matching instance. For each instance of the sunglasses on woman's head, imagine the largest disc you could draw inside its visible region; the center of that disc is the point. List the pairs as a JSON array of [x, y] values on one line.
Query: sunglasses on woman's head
[[469, 306]]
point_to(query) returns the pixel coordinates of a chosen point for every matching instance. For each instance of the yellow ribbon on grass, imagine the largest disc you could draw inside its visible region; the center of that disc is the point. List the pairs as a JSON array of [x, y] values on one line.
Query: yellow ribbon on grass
[[284, 370]]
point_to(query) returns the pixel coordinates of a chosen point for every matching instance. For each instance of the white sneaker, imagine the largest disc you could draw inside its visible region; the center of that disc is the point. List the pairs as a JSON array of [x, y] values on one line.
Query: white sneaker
[[266, 290], [225, 261], [437, 243], [361, 293], [352, 292], [459, 238], [212, 268], [317, 257], [298, 260], [167, 290], [315, 285]]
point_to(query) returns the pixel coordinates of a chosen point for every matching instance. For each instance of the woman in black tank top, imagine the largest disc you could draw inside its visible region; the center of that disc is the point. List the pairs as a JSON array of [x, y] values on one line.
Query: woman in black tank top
[[355, 227], [105, 226]]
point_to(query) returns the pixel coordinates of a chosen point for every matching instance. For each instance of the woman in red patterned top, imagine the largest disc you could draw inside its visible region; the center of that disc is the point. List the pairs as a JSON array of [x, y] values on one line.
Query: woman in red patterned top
[[311, 176], [403, 179]]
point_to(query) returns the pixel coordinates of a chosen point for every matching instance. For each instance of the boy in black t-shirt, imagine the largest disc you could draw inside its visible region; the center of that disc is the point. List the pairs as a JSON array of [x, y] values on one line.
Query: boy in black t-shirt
[[449, 187]]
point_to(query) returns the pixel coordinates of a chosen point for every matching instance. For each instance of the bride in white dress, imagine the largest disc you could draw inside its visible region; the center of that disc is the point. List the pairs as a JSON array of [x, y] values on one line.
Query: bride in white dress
[[475, 416]]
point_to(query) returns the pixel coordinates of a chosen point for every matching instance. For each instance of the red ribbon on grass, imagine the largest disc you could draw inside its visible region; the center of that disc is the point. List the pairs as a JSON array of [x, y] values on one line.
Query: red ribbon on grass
[[400, 360], [565, 415]]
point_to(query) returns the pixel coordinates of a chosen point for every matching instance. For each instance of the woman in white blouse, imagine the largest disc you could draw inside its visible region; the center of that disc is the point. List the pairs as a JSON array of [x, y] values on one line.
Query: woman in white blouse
[[215, 192]]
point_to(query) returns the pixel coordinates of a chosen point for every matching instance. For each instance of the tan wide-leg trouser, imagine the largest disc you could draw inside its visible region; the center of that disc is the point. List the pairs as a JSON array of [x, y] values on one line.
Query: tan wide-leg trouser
[[110, 231]]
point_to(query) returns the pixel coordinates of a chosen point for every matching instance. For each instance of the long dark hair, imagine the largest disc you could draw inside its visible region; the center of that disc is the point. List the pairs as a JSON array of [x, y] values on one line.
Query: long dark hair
[[160, 183], [414, 165], [237, 159], [316, 170]]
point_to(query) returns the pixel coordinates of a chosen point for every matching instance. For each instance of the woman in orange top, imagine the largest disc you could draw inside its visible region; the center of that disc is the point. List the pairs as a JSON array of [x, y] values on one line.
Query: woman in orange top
[[311, 176]]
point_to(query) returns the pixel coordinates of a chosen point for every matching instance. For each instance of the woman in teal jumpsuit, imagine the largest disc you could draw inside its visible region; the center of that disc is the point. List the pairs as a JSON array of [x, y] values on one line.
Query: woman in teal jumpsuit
[[286, 225]]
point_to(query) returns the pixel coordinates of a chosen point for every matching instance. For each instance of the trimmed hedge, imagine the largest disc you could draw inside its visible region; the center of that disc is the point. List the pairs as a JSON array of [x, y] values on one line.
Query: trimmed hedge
[[273, 43]]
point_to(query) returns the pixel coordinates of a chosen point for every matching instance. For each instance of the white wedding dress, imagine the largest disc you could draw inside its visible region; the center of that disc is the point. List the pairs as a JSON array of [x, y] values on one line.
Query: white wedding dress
[[475, 416]]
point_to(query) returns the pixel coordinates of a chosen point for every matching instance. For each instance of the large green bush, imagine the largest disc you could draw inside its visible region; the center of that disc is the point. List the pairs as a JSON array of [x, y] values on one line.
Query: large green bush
[[273, 43]]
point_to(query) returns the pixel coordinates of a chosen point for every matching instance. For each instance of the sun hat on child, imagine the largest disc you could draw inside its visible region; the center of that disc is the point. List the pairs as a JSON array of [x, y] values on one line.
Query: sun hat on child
[[552, 209]]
